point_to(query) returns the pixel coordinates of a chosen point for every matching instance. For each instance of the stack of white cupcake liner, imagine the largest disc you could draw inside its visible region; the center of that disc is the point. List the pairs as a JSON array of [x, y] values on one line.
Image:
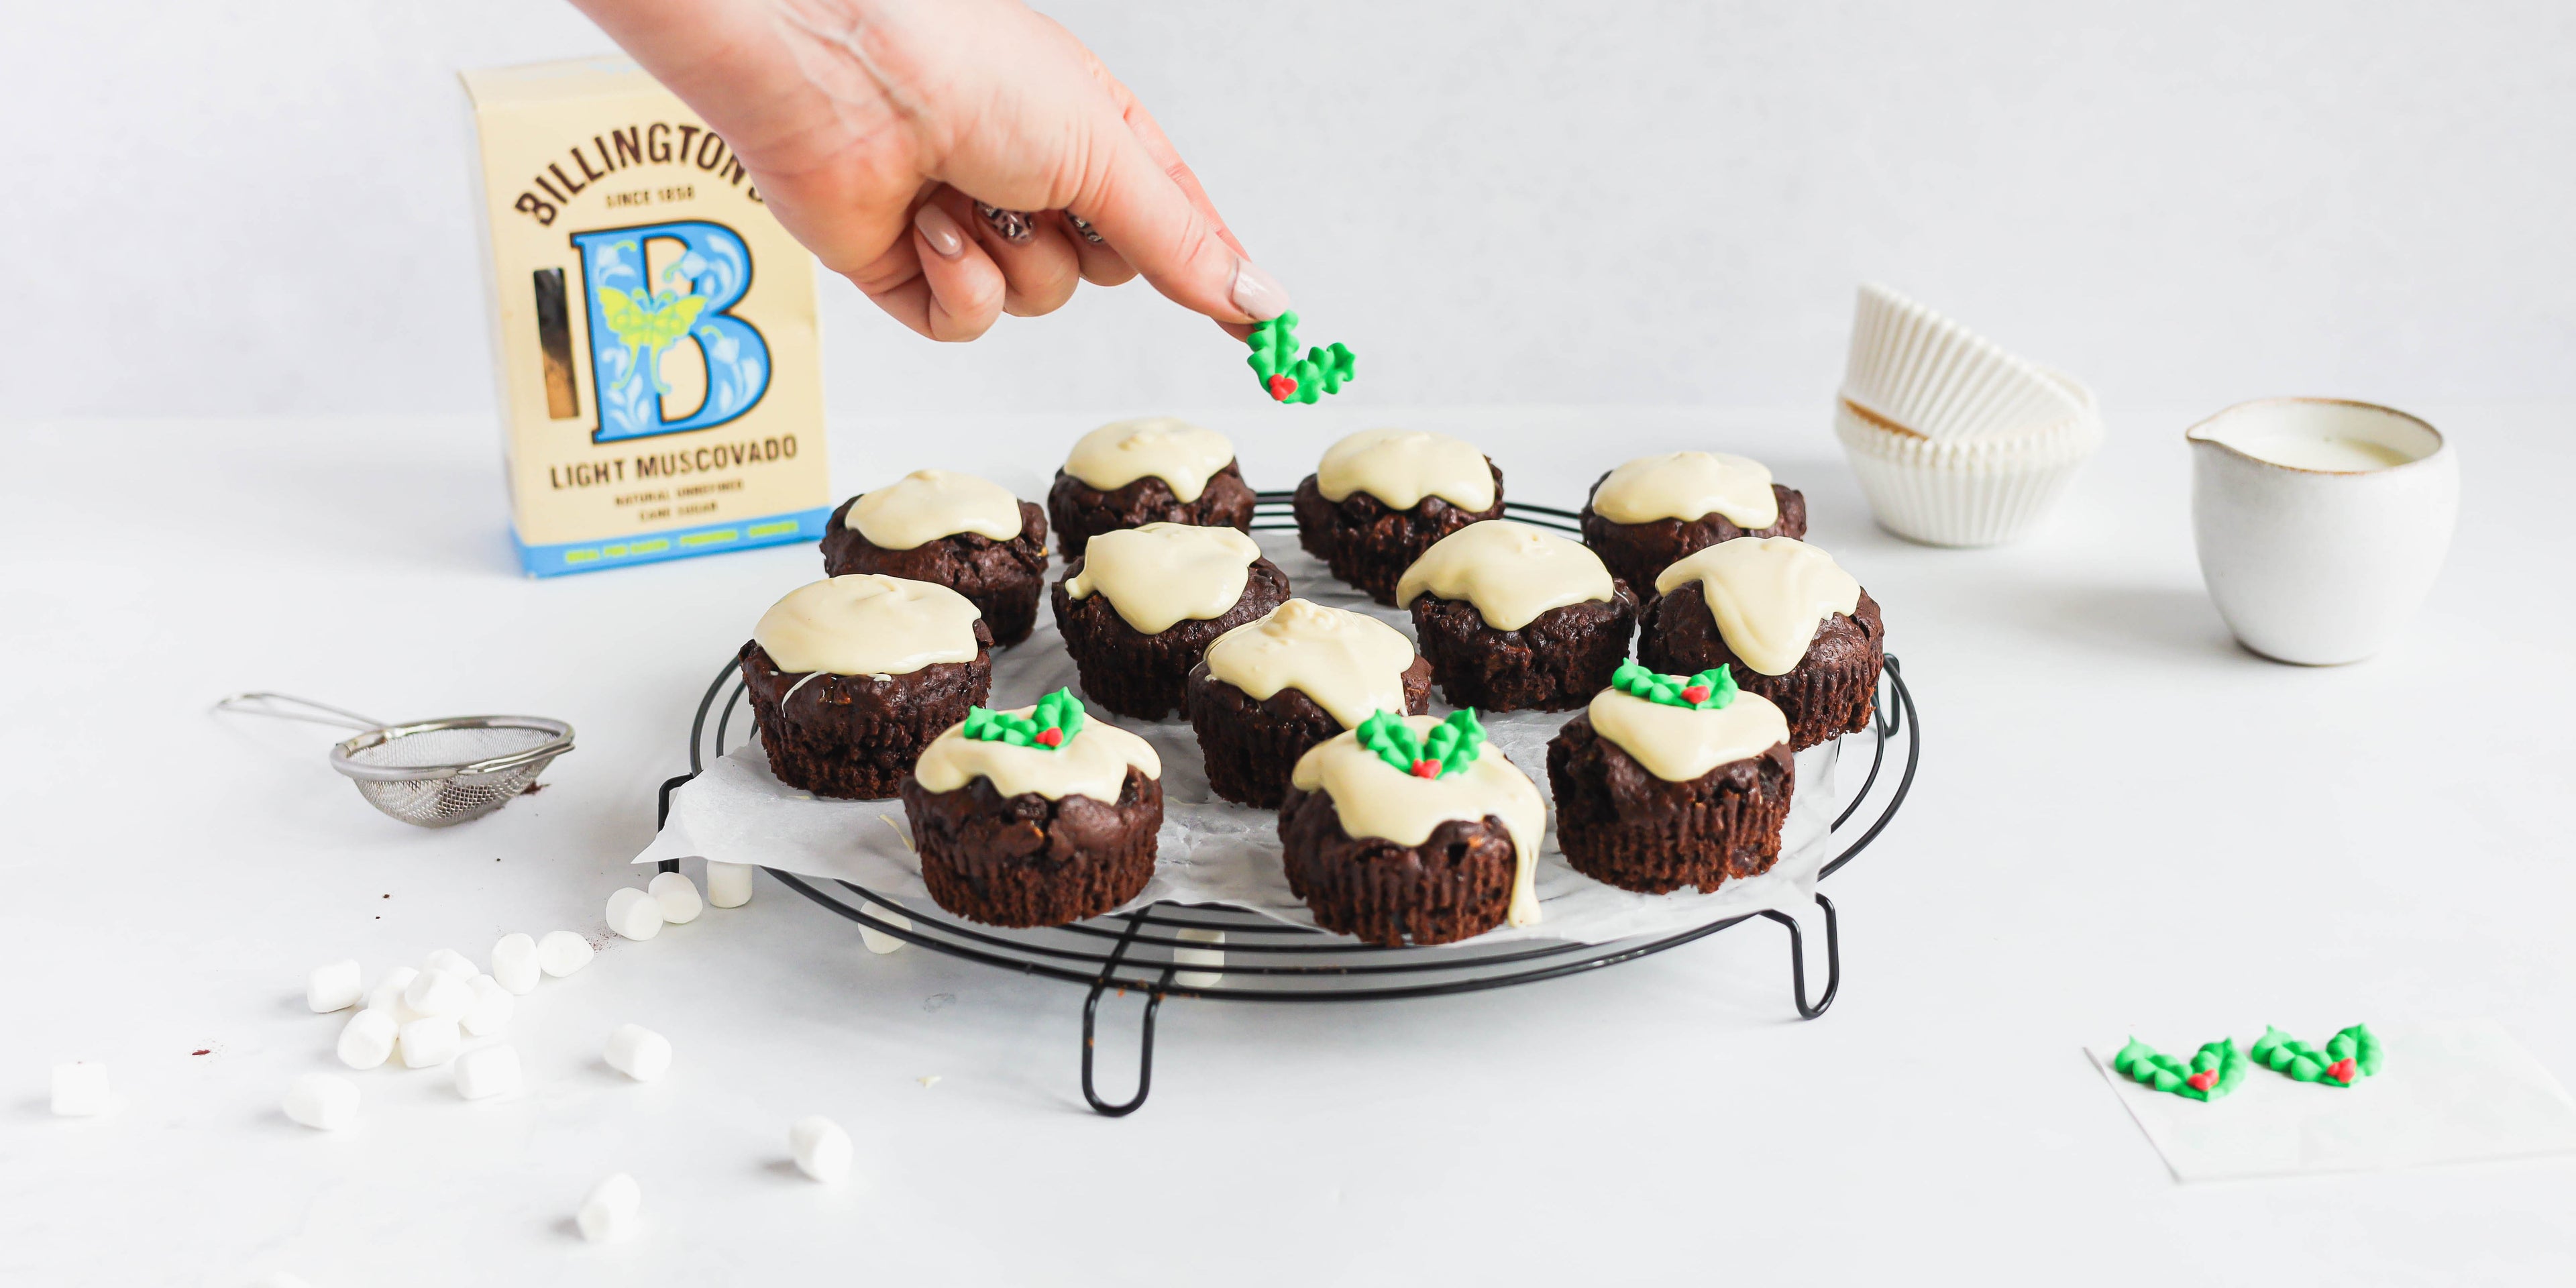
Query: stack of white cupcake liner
[[1956, 442]]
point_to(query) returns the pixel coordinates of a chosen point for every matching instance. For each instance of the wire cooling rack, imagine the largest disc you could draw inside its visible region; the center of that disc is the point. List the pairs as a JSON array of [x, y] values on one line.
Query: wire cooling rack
[[1143, 951]]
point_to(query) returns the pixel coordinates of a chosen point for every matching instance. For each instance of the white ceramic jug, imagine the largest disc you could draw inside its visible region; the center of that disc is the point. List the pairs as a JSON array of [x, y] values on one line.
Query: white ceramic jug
[[2321, 523]]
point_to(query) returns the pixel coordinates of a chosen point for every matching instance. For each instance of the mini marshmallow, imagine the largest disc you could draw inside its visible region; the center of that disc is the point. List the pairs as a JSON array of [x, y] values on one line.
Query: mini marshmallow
[[821, 1148], [634, 914], [322, 1101], [608, 1213], [429, 1041], [877, 940], [638, 1052], [450, 959], [514, 964], [440, 992], [1199, 957], [387, 995], [562, 952], [487, 1071], [333, 987], [678, 897], [80, 1090], [367, 1040], [493, 1006], [728, 884]]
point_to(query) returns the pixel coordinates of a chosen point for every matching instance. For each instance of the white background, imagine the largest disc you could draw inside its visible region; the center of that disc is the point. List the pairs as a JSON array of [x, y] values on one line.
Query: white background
[[262, 206]]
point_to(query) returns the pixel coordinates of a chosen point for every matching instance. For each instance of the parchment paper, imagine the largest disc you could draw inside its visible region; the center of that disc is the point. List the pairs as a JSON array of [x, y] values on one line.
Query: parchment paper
[[2450, 1091], [1212, 851]]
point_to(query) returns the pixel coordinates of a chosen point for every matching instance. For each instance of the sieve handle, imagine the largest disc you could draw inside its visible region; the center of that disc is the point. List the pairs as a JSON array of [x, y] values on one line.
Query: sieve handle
[[266, 704]]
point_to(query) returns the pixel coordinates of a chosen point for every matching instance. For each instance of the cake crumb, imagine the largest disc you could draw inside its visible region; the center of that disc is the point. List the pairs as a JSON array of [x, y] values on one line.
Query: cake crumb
[[203, 1051], [929, 1080]]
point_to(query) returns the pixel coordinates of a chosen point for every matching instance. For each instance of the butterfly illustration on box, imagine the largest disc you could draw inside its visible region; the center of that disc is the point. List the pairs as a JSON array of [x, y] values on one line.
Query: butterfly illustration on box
[[634, 323]]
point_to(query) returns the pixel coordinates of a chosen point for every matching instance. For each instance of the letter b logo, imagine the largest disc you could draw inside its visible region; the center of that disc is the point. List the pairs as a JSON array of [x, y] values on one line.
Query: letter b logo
[[637, 315]]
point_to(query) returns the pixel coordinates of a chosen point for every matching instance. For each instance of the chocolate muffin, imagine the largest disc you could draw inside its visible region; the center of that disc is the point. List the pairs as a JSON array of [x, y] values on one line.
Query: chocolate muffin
[[1035, 817], [1652, 511], [850, 678], [1668, 781], [1514, 619], [1792, 624], [1271, 689], [1139, 608], [1383, 496], [1410, 830], [952, 530], [1136, 472]]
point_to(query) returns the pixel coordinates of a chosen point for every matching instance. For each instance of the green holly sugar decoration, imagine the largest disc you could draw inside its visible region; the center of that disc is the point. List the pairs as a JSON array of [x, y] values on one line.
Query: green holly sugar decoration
[[1287, 377], [1052, 724], [2348, 1055], [1710, 690], [2213, 1071], [1449, 746]]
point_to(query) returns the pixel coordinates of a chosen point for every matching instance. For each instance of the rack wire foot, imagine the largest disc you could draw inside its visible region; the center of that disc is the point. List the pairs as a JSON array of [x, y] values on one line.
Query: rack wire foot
[[1798, 958], [1145, 1046]]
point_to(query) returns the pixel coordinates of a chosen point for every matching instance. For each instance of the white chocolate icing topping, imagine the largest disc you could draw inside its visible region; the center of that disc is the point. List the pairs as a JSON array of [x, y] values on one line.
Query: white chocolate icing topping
[[867, 624], [1373, 798], [1402, 466], [1177, 452], [1350, 663], [1689, 486], [1510, 571], [1163, 573], [1678, 744], [1768, 596], [925, 505], [1092, 763]]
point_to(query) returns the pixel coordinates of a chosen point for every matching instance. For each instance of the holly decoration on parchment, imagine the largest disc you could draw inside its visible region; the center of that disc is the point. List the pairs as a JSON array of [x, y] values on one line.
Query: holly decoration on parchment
[[2348, 1055], [1052, 724], [1287, 377], [1447, 748], [1710, 690], [2213, 1071]]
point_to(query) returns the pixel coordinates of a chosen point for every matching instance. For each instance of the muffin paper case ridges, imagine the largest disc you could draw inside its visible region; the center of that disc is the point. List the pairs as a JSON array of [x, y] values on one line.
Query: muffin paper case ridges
[[1954, 441]]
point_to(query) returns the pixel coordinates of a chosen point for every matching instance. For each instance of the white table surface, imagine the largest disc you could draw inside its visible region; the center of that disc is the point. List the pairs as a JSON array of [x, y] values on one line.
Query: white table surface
[[2124, 824]]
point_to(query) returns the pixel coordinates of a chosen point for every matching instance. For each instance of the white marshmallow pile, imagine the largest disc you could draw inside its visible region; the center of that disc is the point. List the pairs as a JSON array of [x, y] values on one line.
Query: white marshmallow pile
[[821, 1148], [368, 1040], [638, 1052], [333, 987], [487, 1071], [679, 899], [611, 1210], [670, 899], [1213, 957], [80, 1090], [562, 952], [514, 964], [322, 1101], [877, 940], [728, 884]]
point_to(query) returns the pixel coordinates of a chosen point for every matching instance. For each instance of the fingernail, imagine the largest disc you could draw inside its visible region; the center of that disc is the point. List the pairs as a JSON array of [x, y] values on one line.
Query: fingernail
[[1083, 226], [1014, 226], [1256, 293], [940, 231]]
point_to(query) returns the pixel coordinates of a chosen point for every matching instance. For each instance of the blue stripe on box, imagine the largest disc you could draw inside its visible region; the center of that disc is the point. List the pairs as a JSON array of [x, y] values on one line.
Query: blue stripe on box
[[741, 534]]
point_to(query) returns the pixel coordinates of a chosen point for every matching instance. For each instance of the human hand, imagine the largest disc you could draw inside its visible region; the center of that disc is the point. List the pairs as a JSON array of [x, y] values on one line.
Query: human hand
[[873, 128]]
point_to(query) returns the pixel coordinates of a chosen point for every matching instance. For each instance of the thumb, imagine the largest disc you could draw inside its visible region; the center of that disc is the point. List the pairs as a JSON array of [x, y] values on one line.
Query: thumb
[[1142, 207]]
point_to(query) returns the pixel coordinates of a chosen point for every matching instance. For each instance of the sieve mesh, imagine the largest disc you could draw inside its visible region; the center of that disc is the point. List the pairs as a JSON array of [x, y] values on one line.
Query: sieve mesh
[[442, 792]]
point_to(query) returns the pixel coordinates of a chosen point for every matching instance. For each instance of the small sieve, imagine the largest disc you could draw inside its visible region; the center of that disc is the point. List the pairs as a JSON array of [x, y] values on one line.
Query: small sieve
[[434, 773]]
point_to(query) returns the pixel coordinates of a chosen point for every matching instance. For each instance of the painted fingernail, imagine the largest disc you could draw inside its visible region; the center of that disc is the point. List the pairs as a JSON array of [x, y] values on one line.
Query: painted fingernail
[[1083, 226], [1015, 226], [940, 231], [1257, 293]]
